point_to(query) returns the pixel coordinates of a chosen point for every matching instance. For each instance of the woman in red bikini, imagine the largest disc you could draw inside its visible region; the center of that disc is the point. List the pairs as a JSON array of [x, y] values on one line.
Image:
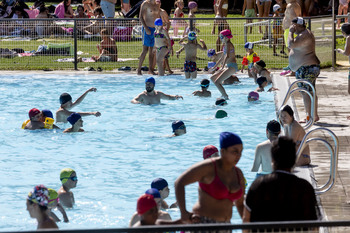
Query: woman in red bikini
[[221, 184]]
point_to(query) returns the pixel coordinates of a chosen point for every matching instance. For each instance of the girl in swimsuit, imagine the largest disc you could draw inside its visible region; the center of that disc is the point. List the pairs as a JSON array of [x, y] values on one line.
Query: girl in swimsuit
[[162, 43], [228, 59], [178, 13], [221, 184]]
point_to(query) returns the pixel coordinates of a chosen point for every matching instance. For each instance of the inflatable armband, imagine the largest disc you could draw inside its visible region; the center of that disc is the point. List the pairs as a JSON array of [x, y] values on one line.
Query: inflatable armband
[[25, 123], [255, 59], [245, 61], [49, 123]]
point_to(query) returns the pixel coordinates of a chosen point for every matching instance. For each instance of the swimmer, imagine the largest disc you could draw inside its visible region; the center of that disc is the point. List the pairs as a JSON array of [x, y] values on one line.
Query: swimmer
[[151, 96], [259, 69], [47, 113], [179, 128], [54, 203], [263, 150], [253, 96], [35, 122], [67, 104], [262, 82], [161, 214], [76, 121], [162, 186], [220, 102], [37, 202], [210, 151], [220, 114], [204, 92], [69, 180]]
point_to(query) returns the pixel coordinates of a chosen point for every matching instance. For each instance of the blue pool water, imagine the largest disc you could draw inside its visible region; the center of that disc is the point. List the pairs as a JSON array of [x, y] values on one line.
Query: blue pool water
[[122, 151]]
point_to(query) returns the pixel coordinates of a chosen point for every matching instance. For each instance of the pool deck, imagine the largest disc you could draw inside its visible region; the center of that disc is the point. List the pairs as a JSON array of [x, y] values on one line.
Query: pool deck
[[333, 108]]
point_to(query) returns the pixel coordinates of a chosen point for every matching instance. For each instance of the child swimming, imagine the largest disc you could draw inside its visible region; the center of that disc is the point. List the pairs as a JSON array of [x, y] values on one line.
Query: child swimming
[[204, 92]]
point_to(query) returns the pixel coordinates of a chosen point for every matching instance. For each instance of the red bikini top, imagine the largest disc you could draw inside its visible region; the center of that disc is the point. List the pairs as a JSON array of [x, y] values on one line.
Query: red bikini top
[[218, 190]]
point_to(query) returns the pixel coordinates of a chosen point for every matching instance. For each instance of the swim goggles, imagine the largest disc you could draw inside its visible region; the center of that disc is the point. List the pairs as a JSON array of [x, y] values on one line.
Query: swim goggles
[[204, 85], [182, 127], [221, 36], [74, 178], [55, 199]]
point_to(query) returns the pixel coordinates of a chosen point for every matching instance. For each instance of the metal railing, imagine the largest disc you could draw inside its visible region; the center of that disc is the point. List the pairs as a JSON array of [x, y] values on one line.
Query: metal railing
[[334, 151]]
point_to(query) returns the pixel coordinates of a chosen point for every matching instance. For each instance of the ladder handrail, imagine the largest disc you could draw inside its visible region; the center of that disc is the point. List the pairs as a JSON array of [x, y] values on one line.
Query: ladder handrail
[[334, 151], [292, 90]]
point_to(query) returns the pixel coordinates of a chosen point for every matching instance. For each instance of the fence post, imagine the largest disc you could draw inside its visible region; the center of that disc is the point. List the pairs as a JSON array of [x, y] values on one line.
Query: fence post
[[245, 33], [334, 56], [75, 45], [309, 24], [191, 24]]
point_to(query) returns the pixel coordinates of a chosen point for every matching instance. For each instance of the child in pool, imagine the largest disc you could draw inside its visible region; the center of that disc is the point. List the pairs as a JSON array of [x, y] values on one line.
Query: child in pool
[[262, 82], [250, 58], [178, 13], [161, 42], [69, 180], [204, 92], [76, 121], [190, 66], [259, 69], [53, 203]]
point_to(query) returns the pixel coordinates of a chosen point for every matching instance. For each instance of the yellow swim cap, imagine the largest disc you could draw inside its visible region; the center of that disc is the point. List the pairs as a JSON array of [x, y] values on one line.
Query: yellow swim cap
[[65, 174]]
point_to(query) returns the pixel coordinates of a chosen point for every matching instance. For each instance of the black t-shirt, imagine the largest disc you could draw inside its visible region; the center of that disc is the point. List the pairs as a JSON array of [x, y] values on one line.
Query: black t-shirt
[[281, 196]]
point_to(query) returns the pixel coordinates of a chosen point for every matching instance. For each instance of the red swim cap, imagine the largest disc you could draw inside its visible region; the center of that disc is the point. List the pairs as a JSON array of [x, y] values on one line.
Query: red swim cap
[[208, 151], [145, 203], [33, 112]]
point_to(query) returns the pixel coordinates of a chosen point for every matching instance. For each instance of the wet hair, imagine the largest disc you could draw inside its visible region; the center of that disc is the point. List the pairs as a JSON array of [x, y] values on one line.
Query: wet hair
[[288, 109], [273, 127], [346, 28], [283, 153]]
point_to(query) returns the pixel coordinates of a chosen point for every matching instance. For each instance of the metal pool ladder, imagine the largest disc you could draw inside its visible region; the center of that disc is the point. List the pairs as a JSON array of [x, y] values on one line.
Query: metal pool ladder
[[294, 88], [333, 156]]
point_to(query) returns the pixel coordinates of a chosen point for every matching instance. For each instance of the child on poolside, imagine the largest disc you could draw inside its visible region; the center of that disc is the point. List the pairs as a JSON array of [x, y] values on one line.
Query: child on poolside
[[193, 8], [107, 48], [277, 30], [76, 121], [215, 57], [204, 92], [250, 58], [69, 180], [190, 66], [53, 203], [161, 42], [259, 69], [178, 13], [229, 59]]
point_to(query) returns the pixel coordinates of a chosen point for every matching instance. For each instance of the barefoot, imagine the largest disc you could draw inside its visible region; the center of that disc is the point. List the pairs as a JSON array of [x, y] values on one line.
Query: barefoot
[[171, 72], [139, 72], [152, 72]]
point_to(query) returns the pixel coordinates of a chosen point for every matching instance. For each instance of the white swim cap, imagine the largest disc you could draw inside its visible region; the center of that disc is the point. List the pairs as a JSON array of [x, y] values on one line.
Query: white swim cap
[[276, 7]]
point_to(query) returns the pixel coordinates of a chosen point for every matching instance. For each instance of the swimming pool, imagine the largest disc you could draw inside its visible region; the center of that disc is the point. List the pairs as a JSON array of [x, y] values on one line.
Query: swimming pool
[[122, 151]]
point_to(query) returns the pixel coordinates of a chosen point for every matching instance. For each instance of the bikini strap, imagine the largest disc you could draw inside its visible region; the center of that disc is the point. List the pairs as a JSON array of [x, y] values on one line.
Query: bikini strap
[[213, 161], [238, 176]]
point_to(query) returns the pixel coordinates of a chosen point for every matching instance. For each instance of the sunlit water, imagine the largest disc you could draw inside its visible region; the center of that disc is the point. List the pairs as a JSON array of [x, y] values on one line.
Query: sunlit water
[[122, 151]]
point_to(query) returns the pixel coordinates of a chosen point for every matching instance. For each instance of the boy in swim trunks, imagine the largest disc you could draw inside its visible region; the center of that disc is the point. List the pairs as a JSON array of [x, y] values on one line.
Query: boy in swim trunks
[[190, 66], [69, 180], [249, 11]]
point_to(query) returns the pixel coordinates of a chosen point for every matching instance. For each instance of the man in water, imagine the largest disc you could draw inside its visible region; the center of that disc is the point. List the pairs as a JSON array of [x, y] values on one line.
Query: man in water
[[151, 96], [35, 122], [66, 104], [303, 60]]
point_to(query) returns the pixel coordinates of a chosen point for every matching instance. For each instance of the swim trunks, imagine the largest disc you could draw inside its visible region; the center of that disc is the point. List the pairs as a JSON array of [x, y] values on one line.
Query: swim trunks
[[308, 73], [190, 66], [232, 65], [148, 40], [249, 13], [203, 219]]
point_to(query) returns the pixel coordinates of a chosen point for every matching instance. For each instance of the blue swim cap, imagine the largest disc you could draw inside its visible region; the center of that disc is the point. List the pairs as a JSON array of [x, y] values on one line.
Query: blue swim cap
[[228, 139], [47, 113], [154, 192], [176, 125], [211, 52], [73, 118], [249, 45], [192, 35], [159, 184], [158, 22], [150, 80]]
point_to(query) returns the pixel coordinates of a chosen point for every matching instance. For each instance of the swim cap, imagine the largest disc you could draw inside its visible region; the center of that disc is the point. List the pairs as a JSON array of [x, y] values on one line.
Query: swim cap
[[211, 52], [53, 195], [65, 97], [346, 28], [39, 195], [249, 45], [299, 20], [158, 22], [150, 80], [33, 112], [220, 102], [154, 192], [276, 7], [226, 33], [274, 127], [47, 113], [253, 95], [209, 150], [176, 125], [261, 80], [73, 118], [145, 203], [159, 183], [261, 63], [205, 83], [192, 36], [228, 139], [192, 5], [220, 114], [65, 174]]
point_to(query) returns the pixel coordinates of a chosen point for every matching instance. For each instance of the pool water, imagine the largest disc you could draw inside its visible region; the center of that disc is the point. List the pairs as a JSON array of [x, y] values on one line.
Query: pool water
[[122, 151]]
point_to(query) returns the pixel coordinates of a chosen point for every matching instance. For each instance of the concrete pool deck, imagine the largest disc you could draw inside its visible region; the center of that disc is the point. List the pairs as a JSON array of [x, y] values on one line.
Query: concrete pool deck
[[333, 109]]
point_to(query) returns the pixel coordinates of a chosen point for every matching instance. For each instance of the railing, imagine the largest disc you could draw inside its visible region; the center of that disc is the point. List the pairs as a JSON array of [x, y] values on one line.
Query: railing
[[334, 151]]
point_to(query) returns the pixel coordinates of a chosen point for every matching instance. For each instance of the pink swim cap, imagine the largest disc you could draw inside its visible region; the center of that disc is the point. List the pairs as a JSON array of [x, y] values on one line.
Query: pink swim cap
[[208, 151], [192, 5], [254, 95], [226, 33]]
